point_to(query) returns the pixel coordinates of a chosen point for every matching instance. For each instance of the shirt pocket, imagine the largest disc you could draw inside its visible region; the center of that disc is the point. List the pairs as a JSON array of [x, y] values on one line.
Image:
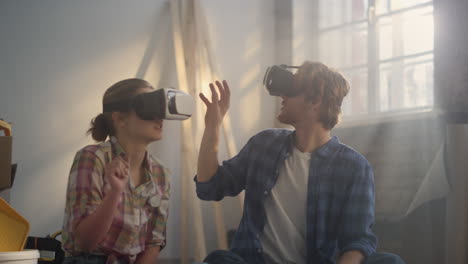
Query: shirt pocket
[[150, 208]]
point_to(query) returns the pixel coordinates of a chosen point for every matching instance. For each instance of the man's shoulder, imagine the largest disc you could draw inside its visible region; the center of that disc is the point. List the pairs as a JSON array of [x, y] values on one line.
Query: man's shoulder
[[268, 141], [272, 134], [351, 156]]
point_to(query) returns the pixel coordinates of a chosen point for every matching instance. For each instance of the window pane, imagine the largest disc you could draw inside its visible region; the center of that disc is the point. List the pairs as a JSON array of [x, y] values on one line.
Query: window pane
[[338, 12], [404, 46], [330, 13], [358, 9], [382, 6], [406, 33], [399, 4], [343, 48], [358, 40], [330, 50], [356, 102], [385, 6], [406, 84]]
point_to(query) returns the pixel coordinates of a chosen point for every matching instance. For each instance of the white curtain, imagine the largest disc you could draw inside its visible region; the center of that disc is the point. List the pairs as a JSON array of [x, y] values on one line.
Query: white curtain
[[196, 68]]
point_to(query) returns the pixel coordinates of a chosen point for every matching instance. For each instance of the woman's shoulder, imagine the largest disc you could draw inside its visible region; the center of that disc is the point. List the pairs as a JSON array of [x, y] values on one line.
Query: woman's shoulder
[[99, 151], [158, 165]]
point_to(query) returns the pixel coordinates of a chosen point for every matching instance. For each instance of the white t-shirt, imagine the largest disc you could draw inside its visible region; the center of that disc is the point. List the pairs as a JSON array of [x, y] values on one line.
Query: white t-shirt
[[284, 234]]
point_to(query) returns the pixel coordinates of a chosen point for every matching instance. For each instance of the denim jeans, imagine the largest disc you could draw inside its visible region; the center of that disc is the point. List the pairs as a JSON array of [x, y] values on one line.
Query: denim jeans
[[228, 257]]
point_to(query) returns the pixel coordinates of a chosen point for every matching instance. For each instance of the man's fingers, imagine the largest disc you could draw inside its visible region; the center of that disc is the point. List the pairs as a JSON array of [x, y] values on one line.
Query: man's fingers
[[226, 95], [214, 94], [221, 90], [204, 99], [226, 88]]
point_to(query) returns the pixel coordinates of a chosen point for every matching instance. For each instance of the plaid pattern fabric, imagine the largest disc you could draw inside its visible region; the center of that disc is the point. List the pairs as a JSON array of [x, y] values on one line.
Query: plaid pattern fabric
[[142, 212], [340, 196]]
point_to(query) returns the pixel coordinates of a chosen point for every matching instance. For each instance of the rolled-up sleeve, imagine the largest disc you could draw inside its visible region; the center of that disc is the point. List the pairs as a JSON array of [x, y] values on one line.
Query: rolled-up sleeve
[[358, 216], [84, 192], [229, 179], [84, 186]]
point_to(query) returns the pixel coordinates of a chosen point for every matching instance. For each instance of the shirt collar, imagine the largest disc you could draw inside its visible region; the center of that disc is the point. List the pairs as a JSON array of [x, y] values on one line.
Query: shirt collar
[[323, 151], [328, 148], [118, 150]]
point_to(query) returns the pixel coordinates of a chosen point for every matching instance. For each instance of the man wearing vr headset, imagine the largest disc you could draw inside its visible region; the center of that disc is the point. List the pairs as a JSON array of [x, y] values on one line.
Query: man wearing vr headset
[[308, 197]]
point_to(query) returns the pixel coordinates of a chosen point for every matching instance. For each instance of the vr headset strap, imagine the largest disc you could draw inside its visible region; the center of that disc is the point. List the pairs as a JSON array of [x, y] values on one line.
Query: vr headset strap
[[117, 106], [287, 66]]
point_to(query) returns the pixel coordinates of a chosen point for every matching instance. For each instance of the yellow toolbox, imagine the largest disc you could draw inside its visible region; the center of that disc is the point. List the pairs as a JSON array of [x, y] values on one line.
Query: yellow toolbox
[[14, 228]]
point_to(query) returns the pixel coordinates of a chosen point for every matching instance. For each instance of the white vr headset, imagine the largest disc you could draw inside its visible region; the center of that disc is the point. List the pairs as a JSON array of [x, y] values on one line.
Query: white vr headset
[[165, 103]]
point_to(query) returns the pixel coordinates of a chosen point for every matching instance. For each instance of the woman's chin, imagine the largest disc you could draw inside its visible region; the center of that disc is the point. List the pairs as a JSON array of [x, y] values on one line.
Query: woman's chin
[[157, 136], [157, 133]]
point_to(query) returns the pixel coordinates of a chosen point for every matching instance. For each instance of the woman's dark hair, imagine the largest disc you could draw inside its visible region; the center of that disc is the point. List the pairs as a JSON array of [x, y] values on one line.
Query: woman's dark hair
[[102, 125]]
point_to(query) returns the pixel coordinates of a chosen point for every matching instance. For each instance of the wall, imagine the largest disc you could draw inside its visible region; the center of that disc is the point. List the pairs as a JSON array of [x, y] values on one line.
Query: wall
[[401, 152], [450, 78], [59, 57]]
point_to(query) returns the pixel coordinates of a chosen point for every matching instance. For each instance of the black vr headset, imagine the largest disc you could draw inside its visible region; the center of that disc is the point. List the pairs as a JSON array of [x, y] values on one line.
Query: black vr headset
[[279, 81], [165, 103]]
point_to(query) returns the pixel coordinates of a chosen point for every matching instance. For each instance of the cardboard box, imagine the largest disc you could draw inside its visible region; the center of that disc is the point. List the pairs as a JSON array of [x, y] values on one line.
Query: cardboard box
[[7, 170]]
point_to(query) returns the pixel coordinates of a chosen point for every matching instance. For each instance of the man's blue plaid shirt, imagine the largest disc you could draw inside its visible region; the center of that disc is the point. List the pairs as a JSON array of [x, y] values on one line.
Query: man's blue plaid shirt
[[340, 196]]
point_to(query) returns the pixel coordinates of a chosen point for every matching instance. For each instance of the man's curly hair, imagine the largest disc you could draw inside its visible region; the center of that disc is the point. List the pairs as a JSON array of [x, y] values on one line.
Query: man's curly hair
[[321, 83]]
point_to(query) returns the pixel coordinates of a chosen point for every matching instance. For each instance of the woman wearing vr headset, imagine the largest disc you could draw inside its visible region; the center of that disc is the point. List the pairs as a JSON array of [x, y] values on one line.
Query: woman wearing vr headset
[[117, 196]]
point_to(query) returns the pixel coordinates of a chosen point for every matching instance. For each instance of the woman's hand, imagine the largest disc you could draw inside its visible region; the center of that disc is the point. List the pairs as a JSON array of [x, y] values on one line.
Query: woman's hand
[[117, 172], [93, 228], [217, 108]]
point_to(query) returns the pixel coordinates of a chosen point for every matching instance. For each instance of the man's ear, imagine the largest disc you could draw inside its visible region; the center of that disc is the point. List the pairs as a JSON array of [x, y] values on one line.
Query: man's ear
[[317, 105], [314, 104]]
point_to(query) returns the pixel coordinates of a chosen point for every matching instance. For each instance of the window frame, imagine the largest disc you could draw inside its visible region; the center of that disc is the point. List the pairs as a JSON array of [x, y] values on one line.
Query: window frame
[[374, 63]]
